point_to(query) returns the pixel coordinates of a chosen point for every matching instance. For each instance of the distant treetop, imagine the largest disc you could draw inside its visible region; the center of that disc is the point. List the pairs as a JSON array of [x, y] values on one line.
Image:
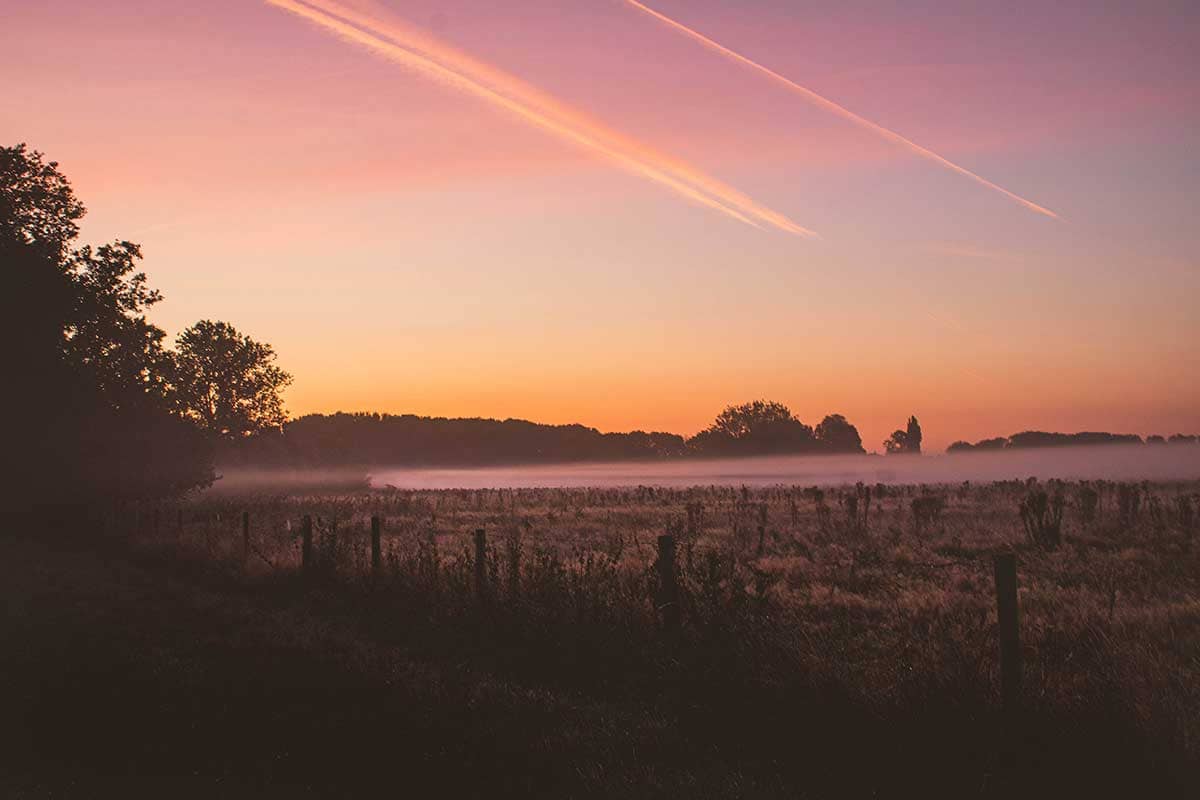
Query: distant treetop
[[905, 442], [1035, 439]]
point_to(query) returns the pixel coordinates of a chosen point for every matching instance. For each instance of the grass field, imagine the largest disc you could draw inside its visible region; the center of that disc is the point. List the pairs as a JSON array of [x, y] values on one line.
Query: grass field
[[837, 642]]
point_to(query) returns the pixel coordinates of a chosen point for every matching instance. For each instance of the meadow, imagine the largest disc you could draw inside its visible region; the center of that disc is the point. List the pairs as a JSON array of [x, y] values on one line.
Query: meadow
[[838, 640]]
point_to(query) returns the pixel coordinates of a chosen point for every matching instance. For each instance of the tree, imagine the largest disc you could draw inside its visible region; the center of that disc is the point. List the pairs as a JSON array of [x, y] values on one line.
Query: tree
[[38, 207], [109, 336], [838, 435], [758, 427], [85, 367], [227, 382], [913, 437], [905, 442]]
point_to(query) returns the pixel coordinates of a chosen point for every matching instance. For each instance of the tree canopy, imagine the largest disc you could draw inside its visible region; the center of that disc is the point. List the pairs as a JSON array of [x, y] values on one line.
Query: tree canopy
[[763, 427], [757, 427], [89, 370], [837, 435], [227, 382], [95, 391], [905, 442]]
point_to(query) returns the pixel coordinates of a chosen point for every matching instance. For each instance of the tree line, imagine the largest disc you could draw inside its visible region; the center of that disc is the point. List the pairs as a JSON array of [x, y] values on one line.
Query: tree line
[[756, 428], [1034, 439], [104, 407]]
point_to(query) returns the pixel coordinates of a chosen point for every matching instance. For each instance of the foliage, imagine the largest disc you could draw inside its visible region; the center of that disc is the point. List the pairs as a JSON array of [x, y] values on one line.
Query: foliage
[[38, 209], [109, 338], [89, 371], [838, 435], [756, 428], [227, 382], [1036, 439], [905, 442], [357, 439]]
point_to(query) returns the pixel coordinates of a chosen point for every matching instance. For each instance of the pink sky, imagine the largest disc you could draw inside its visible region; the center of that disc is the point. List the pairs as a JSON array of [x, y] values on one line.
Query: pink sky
[[408, 248]]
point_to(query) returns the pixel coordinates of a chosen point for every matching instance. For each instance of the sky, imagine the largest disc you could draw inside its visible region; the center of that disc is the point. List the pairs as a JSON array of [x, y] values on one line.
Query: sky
[[408, 246]]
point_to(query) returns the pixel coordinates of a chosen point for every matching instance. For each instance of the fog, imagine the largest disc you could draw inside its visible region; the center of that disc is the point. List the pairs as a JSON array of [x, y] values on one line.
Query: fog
[[1114, 462]]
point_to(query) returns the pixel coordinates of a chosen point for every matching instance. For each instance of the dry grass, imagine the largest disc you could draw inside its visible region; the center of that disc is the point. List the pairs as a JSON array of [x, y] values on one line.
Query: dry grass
[[860, 622]]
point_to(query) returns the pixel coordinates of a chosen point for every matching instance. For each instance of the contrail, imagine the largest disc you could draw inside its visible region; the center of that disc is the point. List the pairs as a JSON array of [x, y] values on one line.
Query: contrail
[[432, 59], [841, 111], [385, 22]]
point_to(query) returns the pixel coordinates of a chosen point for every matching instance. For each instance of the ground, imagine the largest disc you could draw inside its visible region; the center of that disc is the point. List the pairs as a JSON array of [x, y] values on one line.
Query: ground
[[128, 670]]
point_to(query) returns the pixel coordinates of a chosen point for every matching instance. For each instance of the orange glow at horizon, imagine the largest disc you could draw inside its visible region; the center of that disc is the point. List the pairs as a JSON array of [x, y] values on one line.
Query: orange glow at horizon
[[440, 63], [508, 214]]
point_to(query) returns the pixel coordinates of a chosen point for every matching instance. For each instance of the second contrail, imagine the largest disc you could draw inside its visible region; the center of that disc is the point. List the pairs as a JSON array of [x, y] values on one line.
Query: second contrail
[[829, 105], [391, 39]]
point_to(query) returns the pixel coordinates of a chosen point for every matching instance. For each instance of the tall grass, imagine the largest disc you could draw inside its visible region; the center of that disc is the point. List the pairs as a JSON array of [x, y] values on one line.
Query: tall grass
[[840, 607]]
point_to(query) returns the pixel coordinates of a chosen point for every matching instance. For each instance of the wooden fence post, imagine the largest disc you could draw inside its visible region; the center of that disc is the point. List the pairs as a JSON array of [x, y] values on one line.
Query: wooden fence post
[[762, 535], [245, 537], [668, 590], [1009, 631], [480, 565], [331, 550], [306, 543], [514, 570], [376, 545]]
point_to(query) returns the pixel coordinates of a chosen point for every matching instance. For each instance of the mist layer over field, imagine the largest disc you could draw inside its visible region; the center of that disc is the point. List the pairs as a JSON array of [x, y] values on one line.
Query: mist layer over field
[[1134, 462]]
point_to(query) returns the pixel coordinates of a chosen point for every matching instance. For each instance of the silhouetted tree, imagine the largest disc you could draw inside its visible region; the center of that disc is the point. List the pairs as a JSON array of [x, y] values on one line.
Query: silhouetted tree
[[38, 208], [758, 427], [913, 436], [227, 382], [838, 435], [84, 366], [109, 336], [905, 442], [999, 443]]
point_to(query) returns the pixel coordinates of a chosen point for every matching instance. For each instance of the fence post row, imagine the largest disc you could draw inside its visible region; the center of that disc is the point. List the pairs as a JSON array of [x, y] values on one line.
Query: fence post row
[[376, 545], [1009, 631], [306, 543], [668, 599]]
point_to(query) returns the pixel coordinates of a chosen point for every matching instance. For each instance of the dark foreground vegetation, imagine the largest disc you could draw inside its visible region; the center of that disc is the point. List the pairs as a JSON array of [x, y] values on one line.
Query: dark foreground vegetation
[[818, 643]]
